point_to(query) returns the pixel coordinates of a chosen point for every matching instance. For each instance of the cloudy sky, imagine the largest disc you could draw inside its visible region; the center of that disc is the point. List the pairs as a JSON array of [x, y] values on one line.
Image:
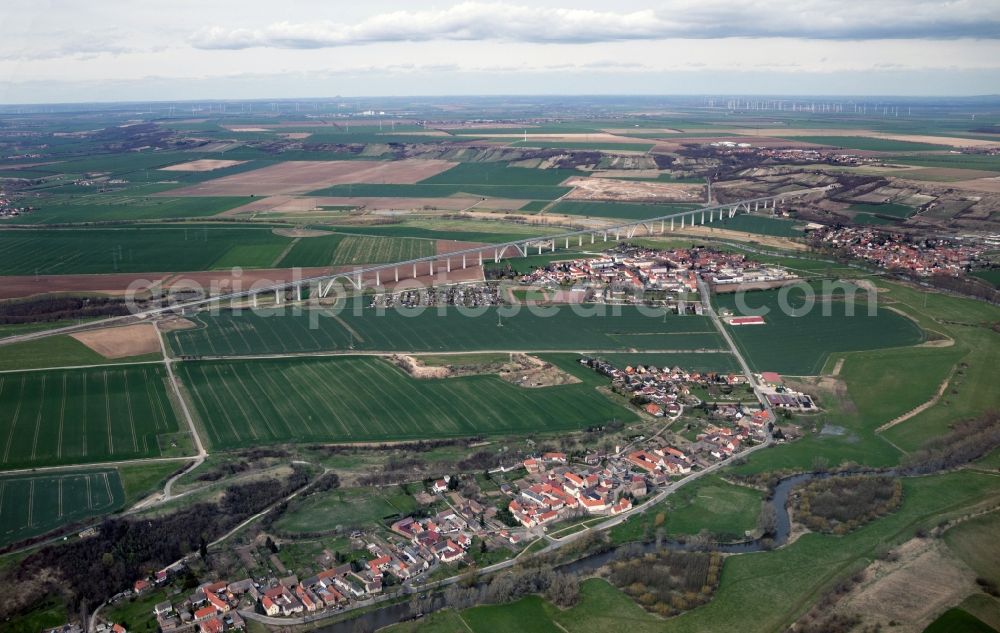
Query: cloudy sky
[[101, 50]]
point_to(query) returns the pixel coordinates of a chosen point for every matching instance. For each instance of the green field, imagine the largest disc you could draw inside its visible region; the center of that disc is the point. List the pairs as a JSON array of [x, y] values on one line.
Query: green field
[[55, 351], [360, 399], [596, 145], [901, 211], [64, 209], [869, 143], [958, 621], [83, 415], [617, 210], [346, 507], [981, 162], [340, 250], [431, 330], [762, 225], [799, 345], [975, 542], [725, 510], [498, 174], [992, 276], [461, 230], [137, 250], [35, 504]]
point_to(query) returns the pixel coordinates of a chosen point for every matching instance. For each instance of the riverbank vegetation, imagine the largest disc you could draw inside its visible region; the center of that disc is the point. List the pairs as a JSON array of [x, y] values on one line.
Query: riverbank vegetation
[[839, 505]]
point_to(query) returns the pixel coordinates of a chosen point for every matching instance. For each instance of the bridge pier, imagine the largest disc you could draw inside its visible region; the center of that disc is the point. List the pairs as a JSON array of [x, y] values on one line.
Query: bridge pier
[[702, 217], [682, 222], [755, 206], [463, 261], [671, 224], [539, 249], [357, 281], [414, 271], [567, 243], [552, 248], [448, 264], [480, 258], [254, 295], [395, 271], [378, 279], [431, 268], [605, 236], [277, 297], [592, 238], [661, 227], [298, 292]]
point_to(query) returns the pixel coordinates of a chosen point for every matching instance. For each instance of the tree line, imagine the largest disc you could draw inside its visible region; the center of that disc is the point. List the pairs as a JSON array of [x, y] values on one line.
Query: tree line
[[89, 571]]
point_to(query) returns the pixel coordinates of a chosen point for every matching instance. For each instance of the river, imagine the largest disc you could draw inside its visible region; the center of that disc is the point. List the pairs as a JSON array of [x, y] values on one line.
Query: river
[[391, 614]]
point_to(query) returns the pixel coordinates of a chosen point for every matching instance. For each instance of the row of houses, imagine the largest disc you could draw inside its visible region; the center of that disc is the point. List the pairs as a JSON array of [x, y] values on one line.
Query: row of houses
[[927, 257], [673, 271]]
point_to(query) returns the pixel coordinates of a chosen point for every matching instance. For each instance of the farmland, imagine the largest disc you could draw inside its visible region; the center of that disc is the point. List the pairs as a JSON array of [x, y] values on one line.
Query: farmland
[[420, 190], [35, 504], [498, 174], [336, 250], [361, 399], [136, 250], [616, 210], [893, 210], [759, 224], [64, 209], [799, 345], [52, 351], [452, 329], [872, 144], [461, 230], [83, 416]]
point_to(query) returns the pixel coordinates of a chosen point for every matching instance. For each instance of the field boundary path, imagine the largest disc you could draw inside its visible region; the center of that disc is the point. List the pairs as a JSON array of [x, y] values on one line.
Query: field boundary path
[[917, 410], [202, 453]]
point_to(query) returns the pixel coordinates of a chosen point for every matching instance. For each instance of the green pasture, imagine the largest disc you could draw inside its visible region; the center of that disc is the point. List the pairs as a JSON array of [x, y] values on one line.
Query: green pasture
[[340, 250], [346, 507]]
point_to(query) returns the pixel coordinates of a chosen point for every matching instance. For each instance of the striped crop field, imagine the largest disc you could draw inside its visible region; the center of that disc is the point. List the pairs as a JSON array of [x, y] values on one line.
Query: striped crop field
[[342, 250], [35, 504], [414, 330], [366, 399], [82, 415]]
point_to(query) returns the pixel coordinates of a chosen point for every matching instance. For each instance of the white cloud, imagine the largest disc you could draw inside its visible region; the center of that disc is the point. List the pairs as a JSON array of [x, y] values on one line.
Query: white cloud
[[674, 19]]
